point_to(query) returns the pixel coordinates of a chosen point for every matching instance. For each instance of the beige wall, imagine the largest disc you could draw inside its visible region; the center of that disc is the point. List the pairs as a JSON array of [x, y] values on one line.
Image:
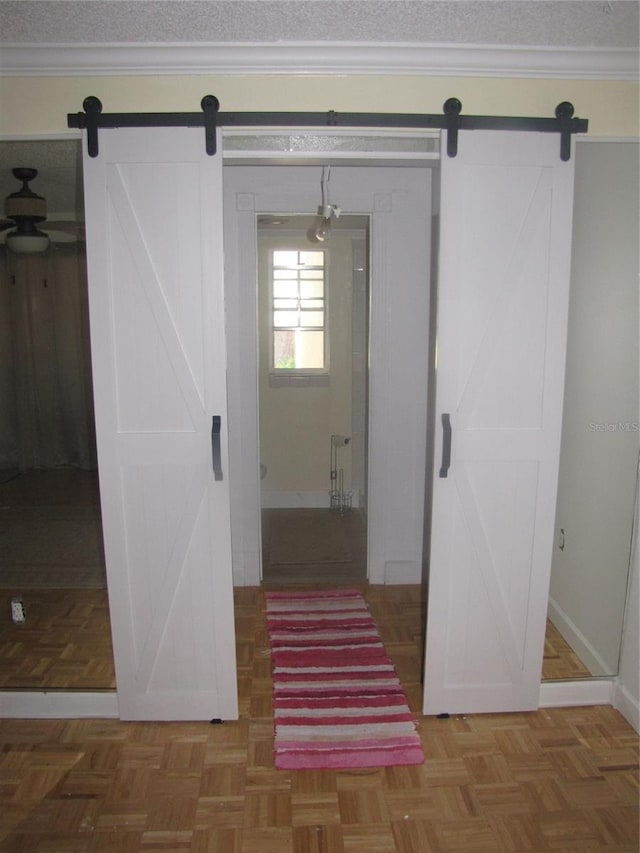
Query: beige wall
[[39, 105]]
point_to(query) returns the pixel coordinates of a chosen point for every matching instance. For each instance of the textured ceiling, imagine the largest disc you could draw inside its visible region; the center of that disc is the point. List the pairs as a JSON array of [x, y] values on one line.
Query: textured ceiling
[[573, 23]]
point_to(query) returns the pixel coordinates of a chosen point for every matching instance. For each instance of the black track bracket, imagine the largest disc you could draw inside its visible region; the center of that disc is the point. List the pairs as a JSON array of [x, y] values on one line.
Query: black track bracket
[[452, 120]]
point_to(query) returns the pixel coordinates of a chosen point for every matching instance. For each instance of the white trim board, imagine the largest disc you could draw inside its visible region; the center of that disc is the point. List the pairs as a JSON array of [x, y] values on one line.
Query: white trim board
[[627, 704], [566, 694], [302, 500], [326, 58], [32, 704], [591, 691]]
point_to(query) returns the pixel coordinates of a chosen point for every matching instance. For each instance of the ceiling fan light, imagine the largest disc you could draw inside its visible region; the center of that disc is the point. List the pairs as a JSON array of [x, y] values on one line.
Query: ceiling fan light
[[26, 208], [27, 244]]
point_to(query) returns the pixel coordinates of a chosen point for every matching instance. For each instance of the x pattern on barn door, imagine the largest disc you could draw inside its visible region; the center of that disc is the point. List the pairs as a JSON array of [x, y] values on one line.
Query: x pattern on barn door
[[155, 273]]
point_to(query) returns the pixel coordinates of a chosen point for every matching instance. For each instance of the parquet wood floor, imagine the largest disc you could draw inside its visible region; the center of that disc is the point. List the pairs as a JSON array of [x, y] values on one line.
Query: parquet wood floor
[[51, 558], [66, 643], [560, 662], [554, 780]]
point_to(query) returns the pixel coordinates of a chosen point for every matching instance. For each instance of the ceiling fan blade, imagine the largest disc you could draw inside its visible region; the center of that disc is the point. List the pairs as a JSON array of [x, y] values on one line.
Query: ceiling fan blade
[[72, 227], [59, 231], [58, 236], [55, 236]]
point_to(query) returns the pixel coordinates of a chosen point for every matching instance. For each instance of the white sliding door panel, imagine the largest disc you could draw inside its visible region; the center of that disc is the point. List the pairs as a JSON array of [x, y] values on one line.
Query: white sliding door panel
[[154, 246], [505, 246]]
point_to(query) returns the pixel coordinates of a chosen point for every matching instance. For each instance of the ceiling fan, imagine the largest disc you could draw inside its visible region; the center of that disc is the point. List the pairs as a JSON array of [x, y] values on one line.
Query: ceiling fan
[[25, 210]]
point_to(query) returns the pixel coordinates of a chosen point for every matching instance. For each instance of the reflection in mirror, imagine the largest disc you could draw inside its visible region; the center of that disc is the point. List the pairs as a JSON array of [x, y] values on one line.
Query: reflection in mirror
[[54, 630], [599, 455]]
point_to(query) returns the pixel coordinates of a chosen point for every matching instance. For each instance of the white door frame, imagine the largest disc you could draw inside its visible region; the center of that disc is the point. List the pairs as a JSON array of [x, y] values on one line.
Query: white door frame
[[399, 206]]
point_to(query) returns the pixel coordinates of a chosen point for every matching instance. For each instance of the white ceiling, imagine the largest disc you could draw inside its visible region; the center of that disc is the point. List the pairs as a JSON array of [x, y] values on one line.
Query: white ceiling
[[572, 23]]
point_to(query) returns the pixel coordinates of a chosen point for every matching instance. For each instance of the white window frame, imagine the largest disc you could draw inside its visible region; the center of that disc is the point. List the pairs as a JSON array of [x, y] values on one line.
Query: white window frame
[[297, 375]]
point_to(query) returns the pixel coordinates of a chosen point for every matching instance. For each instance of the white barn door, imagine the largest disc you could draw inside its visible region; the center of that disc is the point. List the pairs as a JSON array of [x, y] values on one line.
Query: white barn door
[[505, 246], [154, 245]]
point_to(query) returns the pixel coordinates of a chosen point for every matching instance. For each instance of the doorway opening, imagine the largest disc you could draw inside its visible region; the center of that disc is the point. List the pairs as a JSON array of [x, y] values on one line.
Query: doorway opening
[[381, 439], [313, 309]]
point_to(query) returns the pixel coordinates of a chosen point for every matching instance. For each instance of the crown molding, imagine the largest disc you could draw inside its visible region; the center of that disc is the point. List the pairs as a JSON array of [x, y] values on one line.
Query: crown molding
[[455, 60]]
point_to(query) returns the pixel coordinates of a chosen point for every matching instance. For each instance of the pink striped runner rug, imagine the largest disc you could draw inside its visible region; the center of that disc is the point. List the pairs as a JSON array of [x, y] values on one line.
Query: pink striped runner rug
[[338, 702]]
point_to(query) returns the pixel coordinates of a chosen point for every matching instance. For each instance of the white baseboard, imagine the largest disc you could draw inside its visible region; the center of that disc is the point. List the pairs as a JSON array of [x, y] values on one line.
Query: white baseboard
[[240, 577], [627, 704], [300, 500], [566, 694], [246, 576], [399, 572], [32, 704], [294, 500], [597, 691], [589, 656]]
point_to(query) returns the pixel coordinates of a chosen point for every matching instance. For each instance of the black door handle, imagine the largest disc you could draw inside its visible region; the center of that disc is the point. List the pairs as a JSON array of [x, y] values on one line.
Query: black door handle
[[446, 445], [216, 456]]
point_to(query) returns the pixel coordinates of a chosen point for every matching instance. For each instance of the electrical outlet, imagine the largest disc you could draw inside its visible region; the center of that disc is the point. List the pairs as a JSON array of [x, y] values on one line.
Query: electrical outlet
[[18, 613]]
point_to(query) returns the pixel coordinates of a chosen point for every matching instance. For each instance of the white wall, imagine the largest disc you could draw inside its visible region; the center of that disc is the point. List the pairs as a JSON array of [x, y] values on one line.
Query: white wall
[[600, 429]]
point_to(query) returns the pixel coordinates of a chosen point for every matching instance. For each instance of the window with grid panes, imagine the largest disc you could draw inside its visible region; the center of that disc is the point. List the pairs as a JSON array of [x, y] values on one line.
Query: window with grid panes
[[298, 310]]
